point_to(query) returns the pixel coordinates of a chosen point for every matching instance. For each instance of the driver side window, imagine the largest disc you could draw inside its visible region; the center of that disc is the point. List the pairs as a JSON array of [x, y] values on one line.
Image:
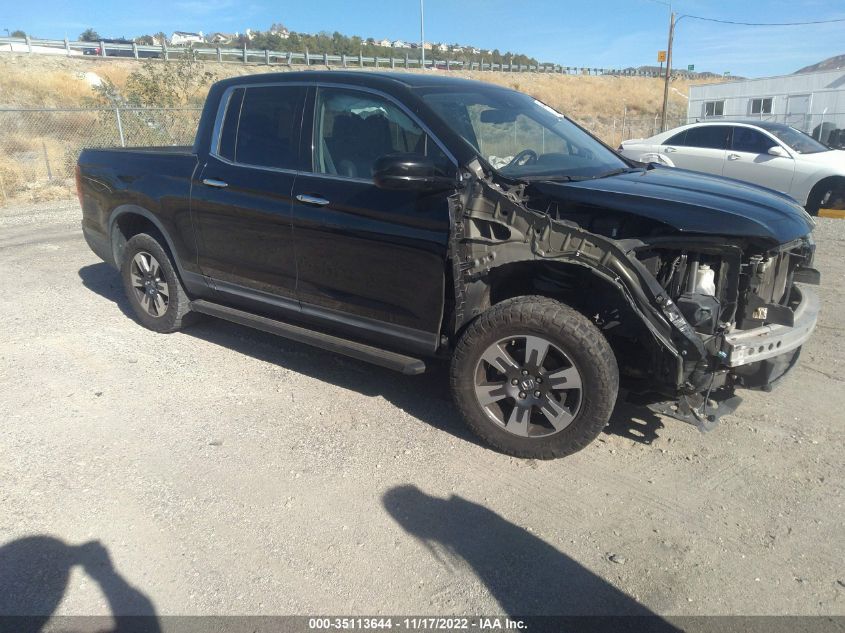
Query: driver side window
[[353, 129]]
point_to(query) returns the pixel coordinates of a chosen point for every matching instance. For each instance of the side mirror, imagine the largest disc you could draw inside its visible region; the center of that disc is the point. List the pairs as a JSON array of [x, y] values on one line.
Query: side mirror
[[777, 150], [409, 172]]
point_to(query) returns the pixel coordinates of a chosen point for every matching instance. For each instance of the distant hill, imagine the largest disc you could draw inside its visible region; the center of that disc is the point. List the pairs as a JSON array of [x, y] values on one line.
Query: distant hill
[[831, 63]]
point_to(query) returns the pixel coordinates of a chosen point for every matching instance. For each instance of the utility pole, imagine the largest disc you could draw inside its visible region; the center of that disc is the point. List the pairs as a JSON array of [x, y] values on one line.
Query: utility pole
[[668, 73], [422, 33]]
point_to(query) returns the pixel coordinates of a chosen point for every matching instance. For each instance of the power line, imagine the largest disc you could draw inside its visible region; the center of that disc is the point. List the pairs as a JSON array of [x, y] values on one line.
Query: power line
[[667, 3], [698, 17]]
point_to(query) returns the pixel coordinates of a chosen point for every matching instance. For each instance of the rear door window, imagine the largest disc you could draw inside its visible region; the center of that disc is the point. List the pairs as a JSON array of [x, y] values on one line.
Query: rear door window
[[268, 128], [708, 137]]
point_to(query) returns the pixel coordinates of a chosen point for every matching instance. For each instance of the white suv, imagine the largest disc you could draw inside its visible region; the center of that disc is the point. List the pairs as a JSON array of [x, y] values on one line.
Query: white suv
[[772, 155]]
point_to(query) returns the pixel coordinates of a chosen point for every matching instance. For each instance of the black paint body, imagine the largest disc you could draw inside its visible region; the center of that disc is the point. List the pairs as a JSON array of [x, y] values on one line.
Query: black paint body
[[371, 264]]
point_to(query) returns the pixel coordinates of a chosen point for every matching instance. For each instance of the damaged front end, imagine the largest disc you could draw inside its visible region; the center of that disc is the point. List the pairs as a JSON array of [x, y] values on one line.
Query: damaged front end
[[695, 316]]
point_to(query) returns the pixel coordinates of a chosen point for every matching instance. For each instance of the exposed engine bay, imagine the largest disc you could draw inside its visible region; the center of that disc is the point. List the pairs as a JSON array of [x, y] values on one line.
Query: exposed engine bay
[[690, 316]]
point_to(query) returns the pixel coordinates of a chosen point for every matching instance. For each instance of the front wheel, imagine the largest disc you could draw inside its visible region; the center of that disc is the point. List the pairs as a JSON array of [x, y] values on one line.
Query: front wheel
[[534, 378], [828, 194]]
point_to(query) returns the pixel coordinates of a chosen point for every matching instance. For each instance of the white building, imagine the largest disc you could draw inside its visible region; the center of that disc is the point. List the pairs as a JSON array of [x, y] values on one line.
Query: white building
[[812, 102], [386, 43], [183, 38], [400, 44], [222, 38]]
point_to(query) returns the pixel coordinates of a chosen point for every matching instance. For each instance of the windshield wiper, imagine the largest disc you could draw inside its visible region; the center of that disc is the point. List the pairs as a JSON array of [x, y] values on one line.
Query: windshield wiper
[[616, 172], [558, 178]]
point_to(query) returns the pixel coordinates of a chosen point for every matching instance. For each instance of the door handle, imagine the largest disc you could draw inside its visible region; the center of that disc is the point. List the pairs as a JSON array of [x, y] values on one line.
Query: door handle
[[733, 157], [211, 182], [316, 201], [669, 150]]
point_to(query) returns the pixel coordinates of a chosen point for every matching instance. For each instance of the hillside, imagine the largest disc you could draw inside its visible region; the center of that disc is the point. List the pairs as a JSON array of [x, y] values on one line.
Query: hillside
[[57, 82], [40, 148], [831, 63]]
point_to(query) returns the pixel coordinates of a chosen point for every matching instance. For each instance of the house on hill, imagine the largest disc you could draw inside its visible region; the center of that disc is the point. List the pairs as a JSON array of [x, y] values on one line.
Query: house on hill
[[183, 38], [222, 38]]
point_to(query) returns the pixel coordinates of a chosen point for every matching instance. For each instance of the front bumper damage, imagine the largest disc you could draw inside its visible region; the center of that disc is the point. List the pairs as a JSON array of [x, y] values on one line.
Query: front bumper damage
[[757, 359], [494, 226], [744, 347]]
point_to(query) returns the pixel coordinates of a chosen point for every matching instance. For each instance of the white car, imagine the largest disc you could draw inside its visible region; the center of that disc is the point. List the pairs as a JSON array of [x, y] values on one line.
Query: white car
[[772, 155]]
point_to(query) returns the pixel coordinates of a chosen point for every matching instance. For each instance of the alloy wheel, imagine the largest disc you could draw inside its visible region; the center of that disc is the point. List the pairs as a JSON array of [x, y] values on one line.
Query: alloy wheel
[[149, 284], [528, 386]]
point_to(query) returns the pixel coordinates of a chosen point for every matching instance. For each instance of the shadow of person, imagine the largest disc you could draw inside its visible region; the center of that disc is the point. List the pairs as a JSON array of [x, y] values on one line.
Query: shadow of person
[[34, 574], [526, 575]]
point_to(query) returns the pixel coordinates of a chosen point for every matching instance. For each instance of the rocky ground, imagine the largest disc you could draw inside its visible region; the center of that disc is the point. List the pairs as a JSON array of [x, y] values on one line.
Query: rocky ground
[[226, 471]]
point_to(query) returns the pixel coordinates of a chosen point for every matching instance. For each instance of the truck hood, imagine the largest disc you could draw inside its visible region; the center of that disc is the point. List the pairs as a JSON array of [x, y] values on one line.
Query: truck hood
[[691, 202]]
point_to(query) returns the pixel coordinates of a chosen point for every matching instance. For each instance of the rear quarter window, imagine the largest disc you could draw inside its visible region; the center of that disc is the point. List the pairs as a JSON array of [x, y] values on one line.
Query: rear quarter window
[[677, 139]]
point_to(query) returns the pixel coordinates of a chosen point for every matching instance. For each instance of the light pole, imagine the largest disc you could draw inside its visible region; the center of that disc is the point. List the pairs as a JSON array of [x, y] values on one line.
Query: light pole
[[422, 32], [673, 22], [668, 72]]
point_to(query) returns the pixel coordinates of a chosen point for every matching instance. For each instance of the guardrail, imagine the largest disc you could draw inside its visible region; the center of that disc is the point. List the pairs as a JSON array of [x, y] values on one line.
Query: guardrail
[[246, 55]]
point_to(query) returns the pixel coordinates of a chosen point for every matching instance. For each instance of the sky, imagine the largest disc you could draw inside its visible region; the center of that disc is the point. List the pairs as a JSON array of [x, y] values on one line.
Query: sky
[[594, 33]]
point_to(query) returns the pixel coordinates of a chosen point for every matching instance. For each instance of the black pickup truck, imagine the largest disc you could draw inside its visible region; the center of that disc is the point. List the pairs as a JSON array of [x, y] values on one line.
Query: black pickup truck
[[398, 218]]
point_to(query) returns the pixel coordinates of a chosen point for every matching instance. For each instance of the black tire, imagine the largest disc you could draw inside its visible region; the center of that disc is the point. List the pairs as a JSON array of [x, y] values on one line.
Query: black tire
[[177, 313], [567, 330], [833, 189]]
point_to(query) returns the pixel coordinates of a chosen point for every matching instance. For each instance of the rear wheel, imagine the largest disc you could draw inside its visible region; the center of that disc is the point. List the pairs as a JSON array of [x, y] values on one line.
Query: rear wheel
[[152, 286], [534, 378]]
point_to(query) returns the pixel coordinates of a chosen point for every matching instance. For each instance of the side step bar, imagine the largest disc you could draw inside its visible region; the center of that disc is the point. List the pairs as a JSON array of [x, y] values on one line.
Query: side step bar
[[392, 360]]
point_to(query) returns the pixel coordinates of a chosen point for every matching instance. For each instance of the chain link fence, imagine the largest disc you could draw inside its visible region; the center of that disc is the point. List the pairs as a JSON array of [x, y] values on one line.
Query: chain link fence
[[40, 147]]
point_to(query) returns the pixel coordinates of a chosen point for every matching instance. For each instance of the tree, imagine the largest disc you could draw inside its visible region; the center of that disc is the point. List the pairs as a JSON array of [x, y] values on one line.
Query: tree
[[18, 33], [181, 82], [89, 35], [146, 40]]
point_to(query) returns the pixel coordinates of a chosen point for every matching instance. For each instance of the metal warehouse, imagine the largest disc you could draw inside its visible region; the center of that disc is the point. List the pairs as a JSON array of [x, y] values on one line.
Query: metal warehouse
[[812, 102]]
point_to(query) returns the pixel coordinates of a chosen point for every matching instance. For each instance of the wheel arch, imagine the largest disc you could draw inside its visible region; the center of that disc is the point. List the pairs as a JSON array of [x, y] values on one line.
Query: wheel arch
[[826, 181], [129, 220], [582, 288]]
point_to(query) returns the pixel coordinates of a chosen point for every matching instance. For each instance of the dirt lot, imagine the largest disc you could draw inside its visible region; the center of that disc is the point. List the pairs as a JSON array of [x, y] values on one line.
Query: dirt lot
[[225, 471]]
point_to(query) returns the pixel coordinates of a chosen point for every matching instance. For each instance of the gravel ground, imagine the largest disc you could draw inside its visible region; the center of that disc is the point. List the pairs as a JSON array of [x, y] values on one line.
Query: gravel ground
[[226, 471]]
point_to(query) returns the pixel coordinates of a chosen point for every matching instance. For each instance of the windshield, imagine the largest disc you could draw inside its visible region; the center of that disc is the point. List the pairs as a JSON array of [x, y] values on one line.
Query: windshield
[[521, 137], [797, 140]]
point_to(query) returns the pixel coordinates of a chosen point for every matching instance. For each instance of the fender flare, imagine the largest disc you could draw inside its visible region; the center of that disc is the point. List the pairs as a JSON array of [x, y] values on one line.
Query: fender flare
[[134, 209]]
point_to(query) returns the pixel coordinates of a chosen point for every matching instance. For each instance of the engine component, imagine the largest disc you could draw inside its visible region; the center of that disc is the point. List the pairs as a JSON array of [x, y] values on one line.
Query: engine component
[[705, 280], [701, 310]]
